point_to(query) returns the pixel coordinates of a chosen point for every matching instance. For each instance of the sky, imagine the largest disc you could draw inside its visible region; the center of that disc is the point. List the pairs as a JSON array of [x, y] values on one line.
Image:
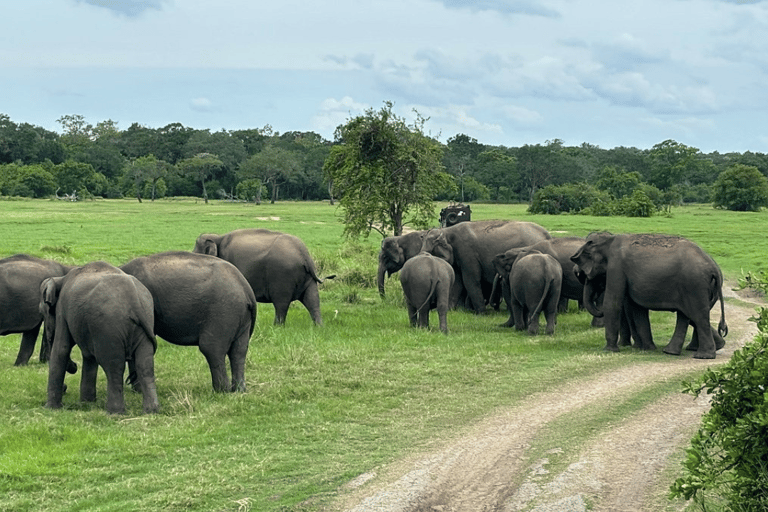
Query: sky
[[505, 72]]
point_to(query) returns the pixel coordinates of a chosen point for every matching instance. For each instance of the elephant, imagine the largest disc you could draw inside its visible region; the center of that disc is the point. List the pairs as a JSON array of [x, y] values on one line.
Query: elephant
[[109, 315], [532, 287], [395, 251], [656, 272], [201, 300], [635, 324], [475, 244], [427, 280], [561, 248], [20, 279], [277, 265]]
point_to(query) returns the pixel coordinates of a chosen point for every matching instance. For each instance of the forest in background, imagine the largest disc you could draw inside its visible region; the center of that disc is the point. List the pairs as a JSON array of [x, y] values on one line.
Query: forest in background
[[261, 164]]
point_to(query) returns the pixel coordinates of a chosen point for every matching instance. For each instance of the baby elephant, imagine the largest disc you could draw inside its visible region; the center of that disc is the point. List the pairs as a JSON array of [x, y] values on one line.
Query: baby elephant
[[110, 316], [535, 281], [427, 282]]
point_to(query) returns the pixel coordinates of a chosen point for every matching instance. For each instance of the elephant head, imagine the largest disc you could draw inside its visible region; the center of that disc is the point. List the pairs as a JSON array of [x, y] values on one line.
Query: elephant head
[[207, 244], [438, 246], [592, 257], [395, 251], [49, 296]]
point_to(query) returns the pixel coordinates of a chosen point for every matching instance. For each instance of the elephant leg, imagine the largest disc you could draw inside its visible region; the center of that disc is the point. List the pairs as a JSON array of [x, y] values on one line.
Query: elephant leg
[[474, 290], [237, 354], [311, 301], [551, 317], [114, 368], [88, 378], [518, 312], [675, 345], [144, 360], [281, 311], [562, 305], [506, 292], [640, 327], [443, 292], [57, 366], [133, 376], [27, 347], [719, 340], [707, 348], [598, 322], [533, 324], [412, 314], [424, 316], [625, 330], [215, 356]]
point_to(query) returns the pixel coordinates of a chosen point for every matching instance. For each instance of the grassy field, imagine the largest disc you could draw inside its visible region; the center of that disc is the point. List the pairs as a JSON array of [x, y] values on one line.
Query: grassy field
[[323, 404]]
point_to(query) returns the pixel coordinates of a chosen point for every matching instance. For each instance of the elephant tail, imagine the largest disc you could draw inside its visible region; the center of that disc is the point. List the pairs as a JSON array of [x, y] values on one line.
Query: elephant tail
[[432, 288], [722, 327], [540, 305]]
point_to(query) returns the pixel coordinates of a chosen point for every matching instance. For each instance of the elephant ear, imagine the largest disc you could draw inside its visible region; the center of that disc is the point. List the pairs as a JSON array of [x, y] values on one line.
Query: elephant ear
[[210, 247], [50, 291]]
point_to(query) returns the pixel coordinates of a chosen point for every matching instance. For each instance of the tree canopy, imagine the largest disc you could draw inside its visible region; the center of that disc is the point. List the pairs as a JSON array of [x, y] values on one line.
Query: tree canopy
[[385, 172]]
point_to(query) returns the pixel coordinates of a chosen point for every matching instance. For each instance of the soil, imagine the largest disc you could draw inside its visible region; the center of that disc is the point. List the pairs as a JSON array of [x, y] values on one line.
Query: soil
[[629, 467]]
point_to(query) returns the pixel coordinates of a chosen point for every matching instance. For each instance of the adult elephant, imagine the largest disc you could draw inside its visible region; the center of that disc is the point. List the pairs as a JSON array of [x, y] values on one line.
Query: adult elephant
[[277, 266], [395, 251], [655, 272], [20, 279], [475, 244], [204, 301], [109, 315]]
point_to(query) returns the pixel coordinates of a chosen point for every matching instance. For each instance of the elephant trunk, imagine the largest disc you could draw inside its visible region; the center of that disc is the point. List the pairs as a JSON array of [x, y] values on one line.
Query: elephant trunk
[[591, 299], [380, 277]]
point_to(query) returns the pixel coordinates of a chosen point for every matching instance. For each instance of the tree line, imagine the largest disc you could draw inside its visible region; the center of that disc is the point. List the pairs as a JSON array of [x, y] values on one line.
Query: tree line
[[261, 164]]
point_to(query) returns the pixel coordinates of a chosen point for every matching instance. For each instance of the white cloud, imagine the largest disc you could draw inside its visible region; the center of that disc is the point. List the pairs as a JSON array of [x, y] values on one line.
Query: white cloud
[[201, 104], [129, 8]]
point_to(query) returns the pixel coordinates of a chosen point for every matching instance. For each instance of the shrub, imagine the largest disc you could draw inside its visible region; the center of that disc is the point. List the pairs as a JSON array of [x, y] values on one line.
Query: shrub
[[572, 198], [740, 188], [728, 456], [636, 205]]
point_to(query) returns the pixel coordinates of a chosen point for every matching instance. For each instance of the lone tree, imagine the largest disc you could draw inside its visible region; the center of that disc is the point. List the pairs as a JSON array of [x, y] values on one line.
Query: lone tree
[[740, 188], [382, 170]]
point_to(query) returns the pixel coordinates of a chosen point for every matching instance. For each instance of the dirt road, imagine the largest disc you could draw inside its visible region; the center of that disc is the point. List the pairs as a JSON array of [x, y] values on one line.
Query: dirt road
[[625, 469]]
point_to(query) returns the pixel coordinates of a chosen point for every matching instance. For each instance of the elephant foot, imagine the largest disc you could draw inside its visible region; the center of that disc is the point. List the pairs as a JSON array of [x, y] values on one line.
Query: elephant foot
[[704, 355], [719, 343], [671, 351], [611, 348]]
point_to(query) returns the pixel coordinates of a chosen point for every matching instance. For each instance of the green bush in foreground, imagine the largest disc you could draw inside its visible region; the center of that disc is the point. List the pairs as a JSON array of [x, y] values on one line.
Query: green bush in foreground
[[727, 461]]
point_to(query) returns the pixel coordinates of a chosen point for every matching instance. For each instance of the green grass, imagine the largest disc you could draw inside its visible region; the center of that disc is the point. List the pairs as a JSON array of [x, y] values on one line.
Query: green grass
[[323, 404]]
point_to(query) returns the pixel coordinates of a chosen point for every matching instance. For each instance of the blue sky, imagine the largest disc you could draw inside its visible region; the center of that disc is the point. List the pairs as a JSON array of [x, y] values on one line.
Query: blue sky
[[506, 72]]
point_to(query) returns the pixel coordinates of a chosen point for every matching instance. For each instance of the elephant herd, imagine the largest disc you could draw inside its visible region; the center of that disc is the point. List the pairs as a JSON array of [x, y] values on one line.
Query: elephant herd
[[617, 278], [205, 298], [208, 297]]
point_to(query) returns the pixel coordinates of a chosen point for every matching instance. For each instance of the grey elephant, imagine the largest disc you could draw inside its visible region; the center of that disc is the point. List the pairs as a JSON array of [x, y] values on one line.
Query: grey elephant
[[560, 248], [395, 251], [204, 301], [109, 316], [656, 272], [427, 281], [533, 287], [277, 265], [474, 246], [20, 278]]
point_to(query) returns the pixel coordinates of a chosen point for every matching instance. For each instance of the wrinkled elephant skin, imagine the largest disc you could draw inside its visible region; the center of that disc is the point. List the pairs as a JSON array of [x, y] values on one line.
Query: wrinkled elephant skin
[[474, 246], [277, 265], [427, 281], [20, 278], [109, 316], [533, 286], [395, 251], [204, 301], [655, 272]]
